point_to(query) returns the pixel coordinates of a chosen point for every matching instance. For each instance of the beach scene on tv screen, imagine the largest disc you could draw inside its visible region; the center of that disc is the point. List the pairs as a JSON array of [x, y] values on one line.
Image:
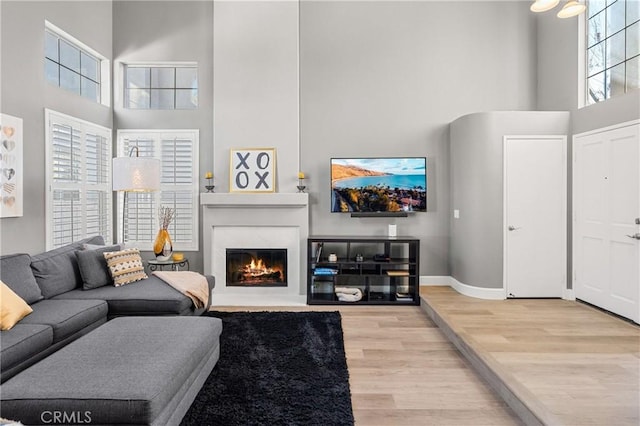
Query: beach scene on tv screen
[[378, 184]]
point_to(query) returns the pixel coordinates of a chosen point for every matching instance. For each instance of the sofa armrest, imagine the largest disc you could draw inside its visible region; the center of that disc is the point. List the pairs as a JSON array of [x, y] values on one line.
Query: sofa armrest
[[211, 280]]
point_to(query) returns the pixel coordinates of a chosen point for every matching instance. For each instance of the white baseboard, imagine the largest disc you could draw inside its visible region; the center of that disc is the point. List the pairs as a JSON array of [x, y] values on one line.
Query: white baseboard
[[430, 280], [568, 294], [226, 299], [466, 289]]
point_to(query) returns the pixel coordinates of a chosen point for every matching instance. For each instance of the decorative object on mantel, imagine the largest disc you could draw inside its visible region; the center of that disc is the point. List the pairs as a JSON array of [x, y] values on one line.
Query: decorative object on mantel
[[209, 177], [252, 170], [11, 167], [163, 247], [301, 187]]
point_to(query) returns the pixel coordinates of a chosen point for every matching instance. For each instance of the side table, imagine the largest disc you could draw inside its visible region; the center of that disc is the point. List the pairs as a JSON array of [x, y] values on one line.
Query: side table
[[154, 265]]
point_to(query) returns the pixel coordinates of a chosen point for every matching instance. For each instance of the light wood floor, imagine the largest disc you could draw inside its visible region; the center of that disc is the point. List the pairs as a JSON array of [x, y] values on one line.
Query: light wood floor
[[404, 371], [571, 363]]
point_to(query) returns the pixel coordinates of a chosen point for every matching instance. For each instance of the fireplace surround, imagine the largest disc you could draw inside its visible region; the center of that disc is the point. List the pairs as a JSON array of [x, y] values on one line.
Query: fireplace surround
[[256, 221]]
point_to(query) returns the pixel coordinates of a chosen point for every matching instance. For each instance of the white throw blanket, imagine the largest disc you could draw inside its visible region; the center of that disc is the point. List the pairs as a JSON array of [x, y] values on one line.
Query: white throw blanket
[[348, 294], [191, 284]]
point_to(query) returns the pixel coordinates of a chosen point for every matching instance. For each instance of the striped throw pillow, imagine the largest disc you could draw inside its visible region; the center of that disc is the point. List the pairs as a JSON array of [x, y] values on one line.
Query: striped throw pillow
[[125, 266]]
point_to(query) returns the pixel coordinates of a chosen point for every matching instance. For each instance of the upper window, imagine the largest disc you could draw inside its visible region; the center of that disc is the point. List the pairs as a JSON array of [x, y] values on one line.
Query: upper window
[[78, 180], [72, 66], [161, 86], [613, 48]]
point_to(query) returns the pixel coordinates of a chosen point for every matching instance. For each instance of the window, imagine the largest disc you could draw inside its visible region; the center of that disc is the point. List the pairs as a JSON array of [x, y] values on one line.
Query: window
[[79, 195], [73, 66], [177, 151], [161, 87], [613, 48]]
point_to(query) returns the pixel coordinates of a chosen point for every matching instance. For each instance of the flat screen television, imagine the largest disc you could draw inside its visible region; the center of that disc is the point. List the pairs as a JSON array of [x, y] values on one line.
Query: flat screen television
[[379, 185]]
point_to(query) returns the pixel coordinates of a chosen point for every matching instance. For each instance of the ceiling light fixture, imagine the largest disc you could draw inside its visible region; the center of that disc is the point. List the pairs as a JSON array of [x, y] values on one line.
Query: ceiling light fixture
[[543, 5], [572, 8]]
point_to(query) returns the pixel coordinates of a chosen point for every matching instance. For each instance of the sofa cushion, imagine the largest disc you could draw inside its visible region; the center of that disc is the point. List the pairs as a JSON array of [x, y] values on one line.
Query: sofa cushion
[[12, 308], [151, 296], [57, 271], [67, 317], [15, 271], [93, 266], [125, 266], [24, 341], [142, 365]]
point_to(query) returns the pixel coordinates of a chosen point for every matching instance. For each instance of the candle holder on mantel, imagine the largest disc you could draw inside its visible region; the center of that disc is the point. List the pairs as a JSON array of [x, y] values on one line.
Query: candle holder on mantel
[[301, 187], [209, 177]]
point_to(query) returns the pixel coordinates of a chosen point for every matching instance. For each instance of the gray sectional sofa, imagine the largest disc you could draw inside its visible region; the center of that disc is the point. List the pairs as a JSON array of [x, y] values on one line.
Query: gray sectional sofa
[[69, 303]]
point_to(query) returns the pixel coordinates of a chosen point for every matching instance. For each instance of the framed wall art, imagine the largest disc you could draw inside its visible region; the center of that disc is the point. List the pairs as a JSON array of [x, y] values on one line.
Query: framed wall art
[[252, 170], [11, 166]]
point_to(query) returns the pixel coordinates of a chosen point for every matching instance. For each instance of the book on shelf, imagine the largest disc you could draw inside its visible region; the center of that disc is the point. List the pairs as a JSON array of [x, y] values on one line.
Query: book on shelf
[[397, 273], [319, 252], [325, 271], [403, 296]]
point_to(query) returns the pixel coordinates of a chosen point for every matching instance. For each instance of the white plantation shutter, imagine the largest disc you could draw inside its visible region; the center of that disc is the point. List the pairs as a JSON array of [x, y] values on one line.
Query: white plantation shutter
[[178, 189], [177, 151], [78, 178], [66, 217]]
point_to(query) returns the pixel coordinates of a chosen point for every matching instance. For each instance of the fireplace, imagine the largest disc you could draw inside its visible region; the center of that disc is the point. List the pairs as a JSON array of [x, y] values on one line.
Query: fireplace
[[263, 221], [256, 267]]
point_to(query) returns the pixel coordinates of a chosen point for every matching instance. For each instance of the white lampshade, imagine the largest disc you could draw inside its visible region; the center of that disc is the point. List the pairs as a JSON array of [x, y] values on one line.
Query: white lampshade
[[543, 5], [136, 174], [572, 8]]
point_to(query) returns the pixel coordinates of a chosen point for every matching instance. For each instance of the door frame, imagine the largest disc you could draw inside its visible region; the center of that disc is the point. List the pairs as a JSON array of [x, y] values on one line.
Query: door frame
[[562, 139]]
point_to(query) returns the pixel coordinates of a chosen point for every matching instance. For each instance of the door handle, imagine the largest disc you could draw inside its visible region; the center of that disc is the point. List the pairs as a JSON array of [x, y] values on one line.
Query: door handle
[[635, 236], [513, 228]]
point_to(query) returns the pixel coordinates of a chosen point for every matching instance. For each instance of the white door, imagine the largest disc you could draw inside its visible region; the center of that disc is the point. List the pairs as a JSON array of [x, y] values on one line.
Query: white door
[[535, 176], [606, 242]]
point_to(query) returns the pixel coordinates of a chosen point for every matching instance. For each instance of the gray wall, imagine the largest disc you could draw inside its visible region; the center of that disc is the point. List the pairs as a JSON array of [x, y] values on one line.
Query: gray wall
[[256, 85], [477, 188], [387, 78], [558, 78], [25, 94], [168, 31], [376, 79]]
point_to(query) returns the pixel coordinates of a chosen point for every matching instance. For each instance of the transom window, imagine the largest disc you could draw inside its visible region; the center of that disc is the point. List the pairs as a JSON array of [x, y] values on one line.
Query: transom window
[[71, 66], [161, 87], [613, 48]]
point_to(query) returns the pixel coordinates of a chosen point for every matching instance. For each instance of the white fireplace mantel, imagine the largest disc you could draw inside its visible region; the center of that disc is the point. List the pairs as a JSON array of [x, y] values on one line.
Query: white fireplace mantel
[[256, 219], [230, 199]]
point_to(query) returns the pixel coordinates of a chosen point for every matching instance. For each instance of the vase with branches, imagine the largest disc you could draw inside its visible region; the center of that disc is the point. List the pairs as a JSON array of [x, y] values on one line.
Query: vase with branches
[[163, 247]]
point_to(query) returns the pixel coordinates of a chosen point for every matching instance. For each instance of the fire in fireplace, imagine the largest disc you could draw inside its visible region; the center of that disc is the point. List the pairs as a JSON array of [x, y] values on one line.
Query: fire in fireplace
[[257, 267]]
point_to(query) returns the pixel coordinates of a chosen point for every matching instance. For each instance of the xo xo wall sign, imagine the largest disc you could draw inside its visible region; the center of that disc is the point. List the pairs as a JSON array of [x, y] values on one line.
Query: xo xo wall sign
[[253, 170]]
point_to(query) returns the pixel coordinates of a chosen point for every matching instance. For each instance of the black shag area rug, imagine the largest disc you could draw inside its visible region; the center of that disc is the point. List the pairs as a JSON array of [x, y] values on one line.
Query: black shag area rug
[[276, 368]]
